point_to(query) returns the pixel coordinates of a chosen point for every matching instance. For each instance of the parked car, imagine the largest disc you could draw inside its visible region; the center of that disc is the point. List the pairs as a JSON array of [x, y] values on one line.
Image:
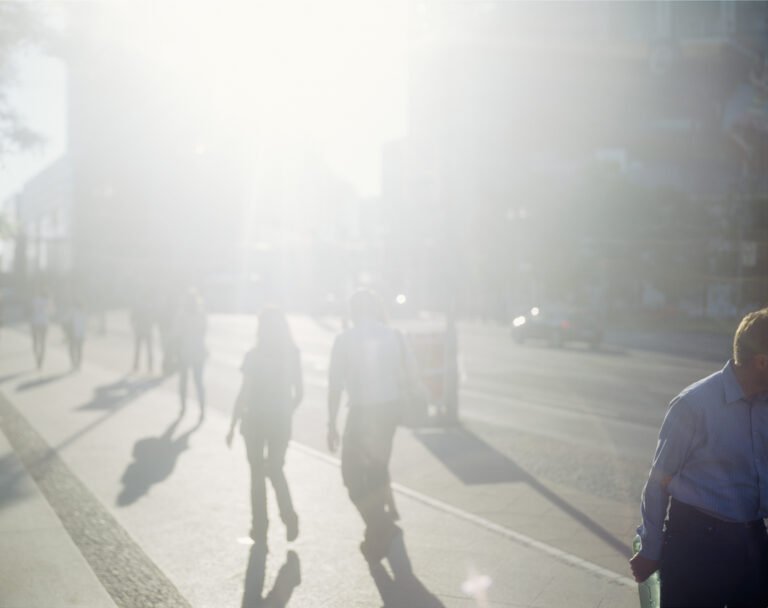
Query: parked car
[[558, 326]]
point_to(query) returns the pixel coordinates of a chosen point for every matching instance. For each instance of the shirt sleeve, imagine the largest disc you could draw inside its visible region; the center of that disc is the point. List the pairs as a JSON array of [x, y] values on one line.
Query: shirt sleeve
[[675, 440]]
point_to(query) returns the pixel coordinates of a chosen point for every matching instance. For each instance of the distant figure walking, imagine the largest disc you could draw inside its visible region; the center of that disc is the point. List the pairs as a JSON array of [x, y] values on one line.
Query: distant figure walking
[[75, 326], [168, 339], [272, 388], [372, 364], [39, 313], [143, 321], [191, 327]]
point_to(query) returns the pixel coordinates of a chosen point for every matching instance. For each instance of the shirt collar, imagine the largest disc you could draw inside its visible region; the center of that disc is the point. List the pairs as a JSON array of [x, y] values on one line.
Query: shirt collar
[[733, 390]]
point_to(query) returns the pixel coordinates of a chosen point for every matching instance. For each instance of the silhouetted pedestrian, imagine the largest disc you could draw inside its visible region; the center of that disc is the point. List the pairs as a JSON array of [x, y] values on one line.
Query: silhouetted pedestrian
[[369, 362], [168, 340], [143, 321], [39, 314], [272, 388], [190, 329], [75, 327]]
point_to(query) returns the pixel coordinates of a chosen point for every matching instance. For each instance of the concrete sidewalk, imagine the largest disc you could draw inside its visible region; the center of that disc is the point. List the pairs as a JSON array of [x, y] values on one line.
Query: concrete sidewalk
[[180, 500], [40, 565]]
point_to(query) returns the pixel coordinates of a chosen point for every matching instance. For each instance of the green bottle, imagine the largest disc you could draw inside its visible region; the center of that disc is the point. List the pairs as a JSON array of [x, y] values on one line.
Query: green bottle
[[650, 588]]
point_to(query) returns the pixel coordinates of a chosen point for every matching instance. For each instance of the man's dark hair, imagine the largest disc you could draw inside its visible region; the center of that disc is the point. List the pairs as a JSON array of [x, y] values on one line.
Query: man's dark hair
[[751, 337]]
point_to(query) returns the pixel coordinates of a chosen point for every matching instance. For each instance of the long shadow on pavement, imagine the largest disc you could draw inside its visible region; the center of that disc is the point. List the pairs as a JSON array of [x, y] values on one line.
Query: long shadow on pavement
[[401, 588], [288, 578], [154, 459], [110, 396], [8, 377], [38, 382], [10, 474], [473, 461]]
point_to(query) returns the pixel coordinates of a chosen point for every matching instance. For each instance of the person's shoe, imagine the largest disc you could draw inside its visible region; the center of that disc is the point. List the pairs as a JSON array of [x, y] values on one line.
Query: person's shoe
[[291, 528], [376, 548], [293, 568]]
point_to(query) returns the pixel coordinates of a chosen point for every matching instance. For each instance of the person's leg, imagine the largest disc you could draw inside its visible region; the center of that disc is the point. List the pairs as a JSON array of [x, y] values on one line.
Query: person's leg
[[72, 348], [80, 348], [365, 453], [43, 334], [380, 443], [183, 372], [380, 498], [77, 352], [697, 569], [761, 568], [197, 376], [35, 331], [150, 346], [277, 445], [136, 350], [748, 576], [259, 522], [352, 461]]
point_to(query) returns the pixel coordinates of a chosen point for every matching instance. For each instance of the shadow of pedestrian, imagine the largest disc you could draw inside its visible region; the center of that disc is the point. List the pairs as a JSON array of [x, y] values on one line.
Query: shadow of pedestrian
[[470, 458], [37, 382], [473, 461], [11, 476], [288, 578], [154, 459], [8, 377], [401, 588], [114, 394]]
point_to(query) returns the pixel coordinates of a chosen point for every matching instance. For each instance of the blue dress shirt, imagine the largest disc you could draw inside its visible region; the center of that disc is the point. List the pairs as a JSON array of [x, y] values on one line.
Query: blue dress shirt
[[713, 451]]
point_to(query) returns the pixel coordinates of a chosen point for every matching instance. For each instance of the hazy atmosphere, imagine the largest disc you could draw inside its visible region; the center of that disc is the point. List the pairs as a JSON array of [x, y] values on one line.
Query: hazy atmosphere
[[366, 303]]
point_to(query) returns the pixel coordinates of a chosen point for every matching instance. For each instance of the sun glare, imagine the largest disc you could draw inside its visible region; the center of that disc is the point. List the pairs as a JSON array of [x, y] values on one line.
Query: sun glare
[[330, 75]]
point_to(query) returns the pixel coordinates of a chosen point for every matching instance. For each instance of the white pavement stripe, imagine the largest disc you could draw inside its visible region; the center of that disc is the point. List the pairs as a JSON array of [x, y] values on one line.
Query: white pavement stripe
[[558, 409], [558, 554]]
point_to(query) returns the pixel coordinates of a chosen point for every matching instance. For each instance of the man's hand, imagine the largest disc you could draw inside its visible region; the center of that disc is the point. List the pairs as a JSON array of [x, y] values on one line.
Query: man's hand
[[333, 438], [642, 567]]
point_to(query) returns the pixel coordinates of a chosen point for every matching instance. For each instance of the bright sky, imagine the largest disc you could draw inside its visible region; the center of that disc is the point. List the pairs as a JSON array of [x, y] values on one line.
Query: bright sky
[[331, 74]]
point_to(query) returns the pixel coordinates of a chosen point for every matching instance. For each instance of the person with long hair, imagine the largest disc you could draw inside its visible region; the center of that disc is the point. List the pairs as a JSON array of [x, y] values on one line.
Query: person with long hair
[[271, 390]]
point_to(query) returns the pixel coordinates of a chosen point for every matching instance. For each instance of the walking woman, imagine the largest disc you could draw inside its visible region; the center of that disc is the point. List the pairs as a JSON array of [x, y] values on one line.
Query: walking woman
[[271, 390]]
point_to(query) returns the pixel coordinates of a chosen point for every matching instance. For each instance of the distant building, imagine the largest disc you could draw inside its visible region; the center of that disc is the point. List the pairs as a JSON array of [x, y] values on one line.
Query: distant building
[[514, 106], [43, 223]]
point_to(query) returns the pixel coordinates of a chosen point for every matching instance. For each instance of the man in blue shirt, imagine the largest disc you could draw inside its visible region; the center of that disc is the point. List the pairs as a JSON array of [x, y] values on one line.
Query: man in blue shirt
[[711, 470]]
